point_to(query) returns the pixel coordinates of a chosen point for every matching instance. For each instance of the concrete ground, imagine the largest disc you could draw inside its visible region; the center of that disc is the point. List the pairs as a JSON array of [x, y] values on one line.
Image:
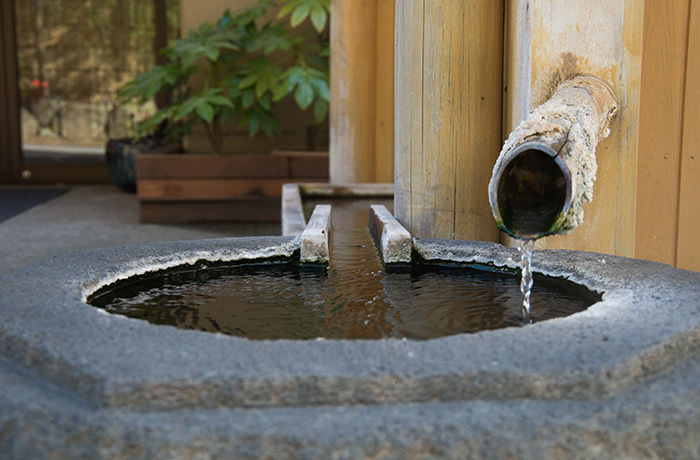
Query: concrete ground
[[93, 217]]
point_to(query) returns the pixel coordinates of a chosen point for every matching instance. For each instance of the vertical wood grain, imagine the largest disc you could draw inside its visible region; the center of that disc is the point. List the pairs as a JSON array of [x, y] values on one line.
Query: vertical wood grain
[[478, 133], [601, 38], [384, 115], [408, 121], [516, 65], [433, 202], [353, 90], [661, 115], [633, 35], [688, 255], [448, 115]]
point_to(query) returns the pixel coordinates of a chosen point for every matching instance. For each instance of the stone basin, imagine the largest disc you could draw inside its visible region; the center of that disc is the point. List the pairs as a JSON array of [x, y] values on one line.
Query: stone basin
[[617, 380]]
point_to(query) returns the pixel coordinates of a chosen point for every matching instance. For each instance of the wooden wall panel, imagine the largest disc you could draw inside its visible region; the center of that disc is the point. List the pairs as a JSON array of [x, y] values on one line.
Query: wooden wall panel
[[201, 189], [433, 199], [408, 122], [688, 252], [362, 91], [482, 120], [353, 90], [384, 81], [448, 109], [292, 165], [558, 40], [661, 115]]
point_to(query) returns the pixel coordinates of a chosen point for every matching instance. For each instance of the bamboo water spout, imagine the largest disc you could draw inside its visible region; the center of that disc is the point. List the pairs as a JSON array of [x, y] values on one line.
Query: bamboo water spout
[[546, 169]]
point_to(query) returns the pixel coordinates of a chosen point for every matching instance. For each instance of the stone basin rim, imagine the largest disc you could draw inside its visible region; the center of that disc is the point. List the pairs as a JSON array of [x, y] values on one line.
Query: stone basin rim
[[117, 361]]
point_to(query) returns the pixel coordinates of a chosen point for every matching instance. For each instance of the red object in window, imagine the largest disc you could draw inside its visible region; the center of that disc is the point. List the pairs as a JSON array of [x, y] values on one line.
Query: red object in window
[[36, 83]]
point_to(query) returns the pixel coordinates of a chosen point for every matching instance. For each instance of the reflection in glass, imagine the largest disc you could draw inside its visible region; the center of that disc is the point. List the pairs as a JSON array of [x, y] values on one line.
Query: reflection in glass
[[73, 55]]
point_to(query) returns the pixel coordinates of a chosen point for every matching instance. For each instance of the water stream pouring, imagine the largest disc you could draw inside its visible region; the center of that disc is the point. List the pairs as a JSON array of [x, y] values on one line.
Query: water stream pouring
[[546, 169]]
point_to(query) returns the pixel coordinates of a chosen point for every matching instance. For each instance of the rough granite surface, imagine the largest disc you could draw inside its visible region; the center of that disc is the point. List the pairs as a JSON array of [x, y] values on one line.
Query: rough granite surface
[[618, 380]]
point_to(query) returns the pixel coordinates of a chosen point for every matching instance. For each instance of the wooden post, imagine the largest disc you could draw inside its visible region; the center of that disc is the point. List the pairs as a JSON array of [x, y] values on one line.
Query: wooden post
[[550, 41], [663, 75], [688, 251], [384, 84], [10, 129], [361, 111], [160, 41], [448, 115]]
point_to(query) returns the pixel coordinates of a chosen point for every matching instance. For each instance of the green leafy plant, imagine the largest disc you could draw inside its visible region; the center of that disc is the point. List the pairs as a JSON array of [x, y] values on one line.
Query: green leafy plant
[[239, 68]]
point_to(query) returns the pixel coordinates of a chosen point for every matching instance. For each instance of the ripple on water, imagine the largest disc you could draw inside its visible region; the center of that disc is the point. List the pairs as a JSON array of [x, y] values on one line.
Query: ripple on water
[[354, 299]]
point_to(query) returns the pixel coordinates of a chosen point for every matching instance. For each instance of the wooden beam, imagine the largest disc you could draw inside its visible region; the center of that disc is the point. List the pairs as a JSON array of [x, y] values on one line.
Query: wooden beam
[[408, 122], [688, 253], [353, 90], [289, 166], [448, 115], [384, 83], [478, 133], [160, 41], [551, 41], [10, 129], [197, 189], [660, 122]]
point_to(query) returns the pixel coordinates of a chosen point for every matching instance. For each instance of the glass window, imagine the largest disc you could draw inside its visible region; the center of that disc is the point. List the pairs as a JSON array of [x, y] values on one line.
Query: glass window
[[73, 56]]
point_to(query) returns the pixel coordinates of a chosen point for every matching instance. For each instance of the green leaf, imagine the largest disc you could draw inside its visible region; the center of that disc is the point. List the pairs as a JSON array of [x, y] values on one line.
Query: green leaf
[[300, 13], [286, 9], [294, 75], [187, 108], [270, 128], [212, 54], [205, 111], [265, 102], [250, 14], [248, 98], [146, 85], [320, 110], [304, 95], [285, 87], [261, 87], [148, 125], [321, 87], [269, 38], [318, 18], [254, 125], [234, 93], [225, 19], [248, 81], [220, 100]]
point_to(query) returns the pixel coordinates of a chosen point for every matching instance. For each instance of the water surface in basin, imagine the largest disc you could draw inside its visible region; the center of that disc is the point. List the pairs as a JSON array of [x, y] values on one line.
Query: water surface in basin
[[355, 298]]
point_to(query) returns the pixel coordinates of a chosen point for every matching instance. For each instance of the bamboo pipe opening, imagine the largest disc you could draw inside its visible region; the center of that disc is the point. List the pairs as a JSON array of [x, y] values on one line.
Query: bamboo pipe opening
[[546, 169], [534, 188]]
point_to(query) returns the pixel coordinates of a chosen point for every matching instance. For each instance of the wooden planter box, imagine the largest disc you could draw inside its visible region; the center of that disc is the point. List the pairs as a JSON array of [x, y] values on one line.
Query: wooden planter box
[[185, 188]]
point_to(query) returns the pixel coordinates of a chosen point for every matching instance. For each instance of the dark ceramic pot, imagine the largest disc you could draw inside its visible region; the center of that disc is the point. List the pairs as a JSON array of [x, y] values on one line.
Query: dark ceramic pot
[[121, 160]]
